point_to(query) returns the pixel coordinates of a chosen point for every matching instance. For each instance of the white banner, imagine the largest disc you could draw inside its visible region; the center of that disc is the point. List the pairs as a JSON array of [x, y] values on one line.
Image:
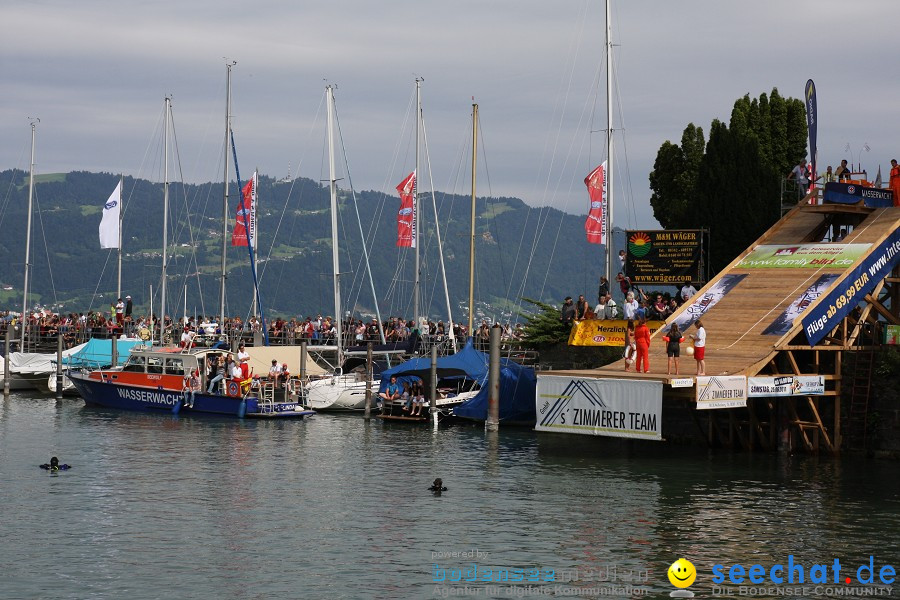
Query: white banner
[[728, 391], [787, 385], [608, 407], [109, 224], [682, 382]]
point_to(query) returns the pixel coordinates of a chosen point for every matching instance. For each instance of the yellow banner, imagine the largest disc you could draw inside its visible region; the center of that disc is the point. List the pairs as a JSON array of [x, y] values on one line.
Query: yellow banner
[[595, 332]]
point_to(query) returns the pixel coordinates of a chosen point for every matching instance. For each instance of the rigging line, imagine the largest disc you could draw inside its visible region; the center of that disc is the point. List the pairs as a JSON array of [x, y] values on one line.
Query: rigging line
[[568, 197], [46, 248], [359, 223], [144, 160], [187, 209], [561, 103], [12, 179], [492, 200], [547, 214], [94, 295], [314, 124], [632, 214]]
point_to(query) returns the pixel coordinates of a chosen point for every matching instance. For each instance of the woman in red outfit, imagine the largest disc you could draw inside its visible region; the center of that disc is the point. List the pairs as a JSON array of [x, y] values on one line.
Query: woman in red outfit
[[895, 181], [642, 339]]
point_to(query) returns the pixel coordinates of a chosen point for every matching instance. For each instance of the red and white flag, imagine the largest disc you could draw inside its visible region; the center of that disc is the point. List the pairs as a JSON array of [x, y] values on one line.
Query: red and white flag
[[406, 216], [595, 225], [245, 216]]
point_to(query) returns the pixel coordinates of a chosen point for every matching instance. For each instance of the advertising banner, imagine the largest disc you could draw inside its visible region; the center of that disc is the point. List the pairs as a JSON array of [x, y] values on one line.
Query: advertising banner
[[803, 256], [812, 126], [701, 303], [787, 385], [851, 193], [851, 289], [608, 407], [892, 334], [596, 332], [664, 257], [595, 224], [785, 320], [727, 391]]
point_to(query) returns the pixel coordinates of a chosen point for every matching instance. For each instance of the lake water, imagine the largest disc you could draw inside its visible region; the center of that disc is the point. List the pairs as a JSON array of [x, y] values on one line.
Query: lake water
[[159, 506]]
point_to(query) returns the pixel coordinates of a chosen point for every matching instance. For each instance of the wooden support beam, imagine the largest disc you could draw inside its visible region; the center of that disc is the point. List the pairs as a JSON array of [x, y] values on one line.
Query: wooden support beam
[[792, 410], [878, 306], [756, 426], [824, 432], [838, 362]]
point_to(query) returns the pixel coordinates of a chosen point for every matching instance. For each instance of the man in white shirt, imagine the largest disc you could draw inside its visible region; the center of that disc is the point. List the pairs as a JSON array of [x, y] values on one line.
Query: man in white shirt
[[687, 291], [187, 338], [607, 308], [630, 307]]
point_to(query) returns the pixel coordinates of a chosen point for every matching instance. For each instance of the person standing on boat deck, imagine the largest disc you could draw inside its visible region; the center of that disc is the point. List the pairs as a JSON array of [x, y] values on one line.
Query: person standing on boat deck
[[243, 359], [191, 387], [642, 342], [895, 181], [234, 369], [220, 374], [700, 347], [843, 171]]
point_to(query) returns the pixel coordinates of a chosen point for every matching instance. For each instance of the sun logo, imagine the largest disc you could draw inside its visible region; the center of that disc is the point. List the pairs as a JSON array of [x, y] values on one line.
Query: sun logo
[[639, 244], [682, 574]]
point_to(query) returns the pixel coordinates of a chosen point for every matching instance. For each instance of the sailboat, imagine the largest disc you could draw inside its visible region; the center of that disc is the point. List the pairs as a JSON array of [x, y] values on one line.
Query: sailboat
[[153, 378], [342, 391]]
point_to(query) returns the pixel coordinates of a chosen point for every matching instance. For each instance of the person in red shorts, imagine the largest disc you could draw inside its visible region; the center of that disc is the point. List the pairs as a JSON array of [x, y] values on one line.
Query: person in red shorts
[[642, 341], [700, 347]]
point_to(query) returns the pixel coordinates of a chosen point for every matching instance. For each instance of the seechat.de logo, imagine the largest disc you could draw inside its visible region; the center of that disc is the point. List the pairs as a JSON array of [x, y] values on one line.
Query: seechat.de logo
[[796, 572]]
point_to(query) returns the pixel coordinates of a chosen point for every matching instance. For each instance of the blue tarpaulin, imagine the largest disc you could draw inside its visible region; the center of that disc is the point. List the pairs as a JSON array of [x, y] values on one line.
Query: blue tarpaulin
[[517, 383], [98, 353]]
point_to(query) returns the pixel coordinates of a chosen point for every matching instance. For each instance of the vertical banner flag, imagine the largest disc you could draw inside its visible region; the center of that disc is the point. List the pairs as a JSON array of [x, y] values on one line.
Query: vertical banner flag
[[406, 216], [811, 119], [109, 224], [595, 225], [245, 216]]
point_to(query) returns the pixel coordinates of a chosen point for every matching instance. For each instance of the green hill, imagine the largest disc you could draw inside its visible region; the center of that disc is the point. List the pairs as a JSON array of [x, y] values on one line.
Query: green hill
[[70, 269]]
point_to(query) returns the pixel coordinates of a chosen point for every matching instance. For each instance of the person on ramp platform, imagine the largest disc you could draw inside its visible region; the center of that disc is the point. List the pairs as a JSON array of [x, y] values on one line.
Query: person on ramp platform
[[642, 341], [700, 347]]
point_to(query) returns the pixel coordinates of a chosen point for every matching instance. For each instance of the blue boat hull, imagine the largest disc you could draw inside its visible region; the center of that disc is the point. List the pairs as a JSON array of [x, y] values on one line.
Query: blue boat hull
[[130, 397]]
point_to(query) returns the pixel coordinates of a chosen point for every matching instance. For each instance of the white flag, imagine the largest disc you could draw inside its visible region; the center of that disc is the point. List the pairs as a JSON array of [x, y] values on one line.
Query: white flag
[[109, 225]]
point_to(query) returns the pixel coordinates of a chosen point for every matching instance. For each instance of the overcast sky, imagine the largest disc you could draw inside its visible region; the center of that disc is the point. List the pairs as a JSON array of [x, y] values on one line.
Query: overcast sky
[[96, 73]]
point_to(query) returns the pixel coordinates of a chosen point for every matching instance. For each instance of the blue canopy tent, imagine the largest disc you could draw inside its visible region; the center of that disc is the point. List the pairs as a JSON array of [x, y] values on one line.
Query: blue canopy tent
[[517, 383]]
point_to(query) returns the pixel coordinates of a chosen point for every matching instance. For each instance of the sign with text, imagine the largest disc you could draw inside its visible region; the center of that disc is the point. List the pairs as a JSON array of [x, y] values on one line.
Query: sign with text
[[851, 289], [597, 332], [608, 407], [726, 391], [851, 193], [786, 385], [665, 257], [803, 256]]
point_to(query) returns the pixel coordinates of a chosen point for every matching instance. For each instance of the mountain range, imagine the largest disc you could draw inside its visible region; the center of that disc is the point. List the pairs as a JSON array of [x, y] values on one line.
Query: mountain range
[[521, 251]]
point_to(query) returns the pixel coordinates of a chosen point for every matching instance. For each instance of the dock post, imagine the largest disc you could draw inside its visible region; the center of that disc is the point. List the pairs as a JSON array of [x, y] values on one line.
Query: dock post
[[9, 334], [369, 380], [303, 354], [114, 352], [59, 356], [492, 423], [432, 387]]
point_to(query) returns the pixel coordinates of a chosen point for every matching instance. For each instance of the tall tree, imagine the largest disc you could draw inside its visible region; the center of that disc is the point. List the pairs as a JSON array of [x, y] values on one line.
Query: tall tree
[[732, 186]]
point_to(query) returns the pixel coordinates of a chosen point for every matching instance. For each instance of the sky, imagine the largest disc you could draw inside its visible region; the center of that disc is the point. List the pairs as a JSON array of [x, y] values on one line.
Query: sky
[[96, 74]]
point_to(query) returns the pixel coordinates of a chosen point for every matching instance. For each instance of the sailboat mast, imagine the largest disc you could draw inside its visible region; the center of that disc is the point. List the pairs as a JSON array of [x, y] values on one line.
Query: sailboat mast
[[28, 241], [228, 66], [121, 213], [610, 247], [165, 242], [472, 224], [335, 256], [252, 229], [416, 203]]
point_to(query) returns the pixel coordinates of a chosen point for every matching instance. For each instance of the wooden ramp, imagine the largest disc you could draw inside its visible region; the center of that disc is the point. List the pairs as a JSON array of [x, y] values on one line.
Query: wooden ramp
[[736, 344]]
